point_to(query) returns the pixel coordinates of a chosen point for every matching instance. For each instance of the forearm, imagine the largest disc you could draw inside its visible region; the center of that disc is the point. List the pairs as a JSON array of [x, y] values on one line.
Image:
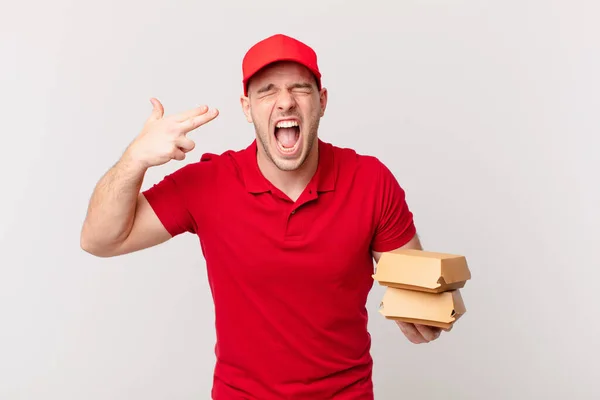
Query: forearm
[[112, 207]]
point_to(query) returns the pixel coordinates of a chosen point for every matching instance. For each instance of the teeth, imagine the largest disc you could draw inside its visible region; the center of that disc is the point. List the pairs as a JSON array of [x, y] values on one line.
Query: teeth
[[287, 124]]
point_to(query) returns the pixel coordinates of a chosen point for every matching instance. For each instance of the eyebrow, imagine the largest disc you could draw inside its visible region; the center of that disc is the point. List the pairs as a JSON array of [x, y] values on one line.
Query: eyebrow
[[298, 85]]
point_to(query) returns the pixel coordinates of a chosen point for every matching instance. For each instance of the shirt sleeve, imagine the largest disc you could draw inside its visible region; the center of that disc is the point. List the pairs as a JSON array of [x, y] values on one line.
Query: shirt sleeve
[[395, 224], [170, 198]]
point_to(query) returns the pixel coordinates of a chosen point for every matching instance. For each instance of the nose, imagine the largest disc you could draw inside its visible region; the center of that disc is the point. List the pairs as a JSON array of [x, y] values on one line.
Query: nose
[[285, 101]]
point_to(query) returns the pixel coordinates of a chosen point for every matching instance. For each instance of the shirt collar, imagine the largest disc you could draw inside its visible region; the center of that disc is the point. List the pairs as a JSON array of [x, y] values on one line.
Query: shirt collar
[[255, 182]]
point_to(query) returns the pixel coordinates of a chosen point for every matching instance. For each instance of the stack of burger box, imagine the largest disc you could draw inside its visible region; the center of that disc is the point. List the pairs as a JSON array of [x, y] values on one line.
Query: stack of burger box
[[422, 287]]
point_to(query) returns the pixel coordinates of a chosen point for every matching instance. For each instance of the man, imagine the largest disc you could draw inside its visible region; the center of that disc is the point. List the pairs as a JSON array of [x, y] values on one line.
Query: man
[[288, 226]]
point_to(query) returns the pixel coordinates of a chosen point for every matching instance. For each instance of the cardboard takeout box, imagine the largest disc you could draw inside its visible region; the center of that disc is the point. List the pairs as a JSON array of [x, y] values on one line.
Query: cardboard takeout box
[[433, 309], [420, 270]]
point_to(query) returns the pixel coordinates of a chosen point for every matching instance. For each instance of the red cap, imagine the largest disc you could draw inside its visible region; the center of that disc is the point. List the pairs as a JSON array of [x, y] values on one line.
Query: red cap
[[278, 48]]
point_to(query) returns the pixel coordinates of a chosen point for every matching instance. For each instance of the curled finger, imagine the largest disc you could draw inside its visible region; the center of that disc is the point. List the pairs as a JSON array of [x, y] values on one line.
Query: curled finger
[[178, 154], [429, 333], [411, 332], [185, 144]]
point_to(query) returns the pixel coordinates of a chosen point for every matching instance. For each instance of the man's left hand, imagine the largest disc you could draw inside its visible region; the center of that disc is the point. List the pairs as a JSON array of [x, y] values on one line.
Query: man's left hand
[[417, 333]]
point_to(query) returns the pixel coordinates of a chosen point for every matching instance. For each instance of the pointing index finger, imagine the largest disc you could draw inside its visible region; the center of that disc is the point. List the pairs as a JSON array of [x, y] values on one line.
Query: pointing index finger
[[194, 112], [199, 120]]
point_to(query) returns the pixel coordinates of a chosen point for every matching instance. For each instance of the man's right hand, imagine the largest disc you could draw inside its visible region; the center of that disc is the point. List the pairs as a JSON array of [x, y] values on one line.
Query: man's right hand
[[163, 139], [120, 219]]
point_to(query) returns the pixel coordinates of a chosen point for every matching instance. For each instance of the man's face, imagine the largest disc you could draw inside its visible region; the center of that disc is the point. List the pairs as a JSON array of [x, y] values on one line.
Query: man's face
[[285, 106]]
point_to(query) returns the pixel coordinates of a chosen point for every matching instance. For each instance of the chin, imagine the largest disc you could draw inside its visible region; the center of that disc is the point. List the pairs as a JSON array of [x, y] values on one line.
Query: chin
[[288, 159], [288, 165]]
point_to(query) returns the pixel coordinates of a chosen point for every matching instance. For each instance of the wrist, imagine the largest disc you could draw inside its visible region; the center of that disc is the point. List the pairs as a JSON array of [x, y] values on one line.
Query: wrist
[[133, 164]]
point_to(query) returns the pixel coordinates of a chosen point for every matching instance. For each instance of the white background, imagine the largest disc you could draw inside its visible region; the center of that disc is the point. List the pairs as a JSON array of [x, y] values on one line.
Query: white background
[[485, 111]]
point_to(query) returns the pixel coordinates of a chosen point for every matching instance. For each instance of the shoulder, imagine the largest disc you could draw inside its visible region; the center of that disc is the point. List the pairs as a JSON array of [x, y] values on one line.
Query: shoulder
[[367, 171], [350, 159], [209, 165]]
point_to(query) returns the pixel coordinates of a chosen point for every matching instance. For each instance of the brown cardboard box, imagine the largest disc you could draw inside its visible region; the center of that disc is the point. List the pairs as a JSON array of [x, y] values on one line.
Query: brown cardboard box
[[422, 286], [420, 270], [434, 309]]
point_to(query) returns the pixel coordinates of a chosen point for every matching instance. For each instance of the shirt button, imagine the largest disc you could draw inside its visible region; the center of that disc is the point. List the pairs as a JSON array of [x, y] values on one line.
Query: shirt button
[[293, 212]]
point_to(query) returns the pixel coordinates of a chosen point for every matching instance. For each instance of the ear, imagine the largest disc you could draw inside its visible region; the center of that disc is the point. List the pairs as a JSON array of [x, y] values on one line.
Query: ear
[[323, 100], [245, 102]]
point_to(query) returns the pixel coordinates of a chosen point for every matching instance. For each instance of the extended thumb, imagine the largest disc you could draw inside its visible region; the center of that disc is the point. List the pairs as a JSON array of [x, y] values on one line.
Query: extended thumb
[[157, 110]]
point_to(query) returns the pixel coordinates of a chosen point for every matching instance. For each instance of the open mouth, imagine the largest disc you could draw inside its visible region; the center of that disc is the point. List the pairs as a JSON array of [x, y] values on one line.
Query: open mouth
[[287, 136]]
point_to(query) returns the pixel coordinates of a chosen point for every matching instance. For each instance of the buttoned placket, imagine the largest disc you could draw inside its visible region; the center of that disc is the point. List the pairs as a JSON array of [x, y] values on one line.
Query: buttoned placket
[[297, 221]]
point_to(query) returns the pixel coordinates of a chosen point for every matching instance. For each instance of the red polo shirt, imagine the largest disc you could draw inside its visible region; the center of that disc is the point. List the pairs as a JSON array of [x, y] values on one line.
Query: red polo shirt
[[289, 280]]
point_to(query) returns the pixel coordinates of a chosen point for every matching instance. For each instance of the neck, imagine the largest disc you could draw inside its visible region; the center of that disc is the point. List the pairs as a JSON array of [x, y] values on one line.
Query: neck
[[292, 183]]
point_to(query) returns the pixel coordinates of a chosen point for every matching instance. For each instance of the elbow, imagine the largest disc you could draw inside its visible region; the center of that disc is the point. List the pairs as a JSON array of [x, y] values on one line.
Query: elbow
[[89, 248], [94, 248]]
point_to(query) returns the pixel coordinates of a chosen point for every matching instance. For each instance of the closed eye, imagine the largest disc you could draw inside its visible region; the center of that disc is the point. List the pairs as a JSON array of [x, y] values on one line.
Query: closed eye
[[296, 88], [302, 87], [265, 89], [302, 90]]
